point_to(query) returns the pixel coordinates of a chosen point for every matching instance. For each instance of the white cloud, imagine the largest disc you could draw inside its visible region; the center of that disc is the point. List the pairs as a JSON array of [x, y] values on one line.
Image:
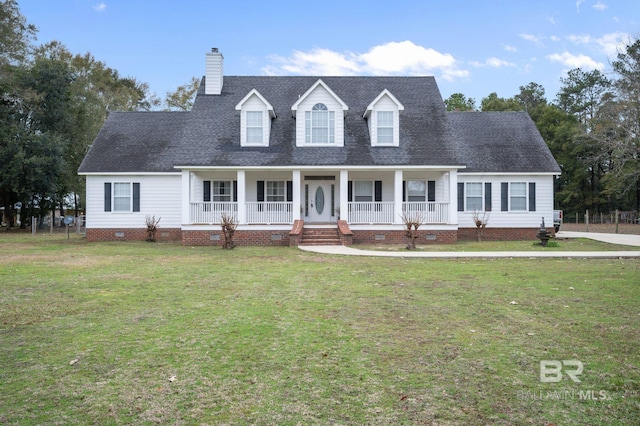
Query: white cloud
[[100, 7], [576, 61], [493, 63], [554, 38], [578, 3], [393, 58], [315, 62], [600, 6], [531, 37], [510, 48], [610, 44]]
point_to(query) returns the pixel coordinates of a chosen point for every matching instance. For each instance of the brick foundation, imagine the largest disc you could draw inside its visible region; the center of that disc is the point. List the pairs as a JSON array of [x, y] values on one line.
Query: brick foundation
[[240, 238], [398, 237], [285, 238], [500, 234], [131, 234]]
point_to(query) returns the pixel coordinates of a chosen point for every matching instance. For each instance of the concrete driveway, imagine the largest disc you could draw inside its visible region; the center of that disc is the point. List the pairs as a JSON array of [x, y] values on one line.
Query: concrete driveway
[[623, 239]]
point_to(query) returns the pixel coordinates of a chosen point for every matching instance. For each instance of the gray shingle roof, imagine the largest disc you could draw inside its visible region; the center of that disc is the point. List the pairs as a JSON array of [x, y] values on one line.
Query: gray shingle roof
[[506, 142], [134, 142], [209, 135]]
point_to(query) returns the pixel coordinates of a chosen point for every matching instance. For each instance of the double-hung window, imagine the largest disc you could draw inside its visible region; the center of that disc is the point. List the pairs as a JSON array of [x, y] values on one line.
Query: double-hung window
[[254, 128], [276, 191], [416, 190], [320, 125], [473, 196], [518, 196], [362, 191], [385, 127], [222, 190], [122, 197]]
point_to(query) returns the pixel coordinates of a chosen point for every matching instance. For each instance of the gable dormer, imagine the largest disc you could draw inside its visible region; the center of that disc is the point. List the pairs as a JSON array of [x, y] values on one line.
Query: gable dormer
[[383, 118], [256, 114], [319, 114]]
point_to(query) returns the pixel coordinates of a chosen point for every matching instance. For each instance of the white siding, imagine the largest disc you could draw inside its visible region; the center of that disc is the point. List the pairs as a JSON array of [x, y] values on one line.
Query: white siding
[[320, 95], [159, 197], [512, 219]]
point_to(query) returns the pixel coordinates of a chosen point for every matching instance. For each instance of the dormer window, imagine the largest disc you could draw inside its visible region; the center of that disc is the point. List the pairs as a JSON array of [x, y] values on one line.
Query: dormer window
[[385, 128], [256, 114], [255, 132], [383, 116], [319, 125], [319, 115]]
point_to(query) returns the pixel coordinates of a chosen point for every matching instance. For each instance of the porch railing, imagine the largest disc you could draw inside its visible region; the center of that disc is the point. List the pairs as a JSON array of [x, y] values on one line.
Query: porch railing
[[366, 212], [430, 212], [269, 212], [211, 212]]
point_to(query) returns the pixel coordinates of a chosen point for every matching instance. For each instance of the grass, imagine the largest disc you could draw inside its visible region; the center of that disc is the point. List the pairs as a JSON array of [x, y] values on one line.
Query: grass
[[140, 333], [569, 244]]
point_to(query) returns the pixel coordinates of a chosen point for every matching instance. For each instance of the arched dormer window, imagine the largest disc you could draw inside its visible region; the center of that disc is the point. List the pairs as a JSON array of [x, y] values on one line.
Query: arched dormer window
[[319, 125]]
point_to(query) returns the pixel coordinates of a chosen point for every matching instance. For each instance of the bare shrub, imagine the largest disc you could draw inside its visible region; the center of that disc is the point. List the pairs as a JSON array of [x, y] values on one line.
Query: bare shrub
[[412, 221], [228, 225], [481, 222], [152, 227]]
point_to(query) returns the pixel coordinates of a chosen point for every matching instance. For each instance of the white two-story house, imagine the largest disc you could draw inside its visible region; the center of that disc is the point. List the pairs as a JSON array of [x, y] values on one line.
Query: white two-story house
[[285, 155]]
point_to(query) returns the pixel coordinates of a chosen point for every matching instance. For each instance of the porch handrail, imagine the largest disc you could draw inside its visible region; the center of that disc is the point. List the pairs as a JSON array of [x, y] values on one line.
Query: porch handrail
[[371, 212], [210, 212], [269, 212], [431, 212]]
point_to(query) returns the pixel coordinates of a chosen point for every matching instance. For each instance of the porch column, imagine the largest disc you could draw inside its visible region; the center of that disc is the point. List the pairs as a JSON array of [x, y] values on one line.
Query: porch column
[[397, 196], [344, 195], [242, 205], [296, 184], [453, 197], [186, 197]]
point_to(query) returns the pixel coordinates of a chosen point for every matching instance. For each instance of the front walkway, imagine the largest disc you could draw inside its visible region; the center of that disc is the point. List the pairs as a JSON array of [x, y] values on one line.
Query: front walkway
[[622, 239]]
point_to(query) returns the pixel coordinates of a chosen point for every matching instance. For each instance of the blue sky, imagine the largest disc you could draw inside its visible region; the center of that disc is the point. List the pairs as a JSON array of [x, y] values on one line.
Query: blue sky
[[471, 47]]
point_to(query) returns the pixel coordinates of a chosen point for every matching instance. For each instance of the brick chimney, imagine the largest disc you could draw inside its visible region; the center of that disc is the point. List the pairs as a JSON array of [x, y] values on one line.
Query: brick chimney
[[213, 82]]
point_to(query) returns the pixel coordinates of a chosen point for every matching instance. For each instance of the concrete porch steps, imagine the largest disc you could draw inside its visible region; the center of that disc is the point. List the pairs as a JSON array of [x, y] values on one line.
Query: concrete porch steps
[[320, 237]]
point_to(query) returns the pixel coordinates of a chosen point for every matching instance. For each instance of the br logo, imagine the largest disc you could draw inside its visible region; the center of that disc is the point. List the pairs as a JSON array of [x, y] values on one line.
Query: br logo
[[551, 371]]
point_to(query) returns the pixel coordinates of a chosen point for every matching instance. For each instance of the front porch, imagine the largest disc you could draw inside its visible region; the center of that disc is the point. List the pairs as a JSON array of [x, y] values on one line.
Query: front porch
[[359, 197]]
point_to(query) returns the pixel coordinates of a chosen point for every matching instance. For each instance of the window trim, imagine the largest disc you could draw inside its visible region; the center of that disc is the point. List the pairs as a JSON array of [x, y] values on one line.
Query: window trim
[[269, 197], [215, 186], [247, 126], [311, 116], [525, 197], [467, 196], [110, 197], [371, 194], [386, 127]]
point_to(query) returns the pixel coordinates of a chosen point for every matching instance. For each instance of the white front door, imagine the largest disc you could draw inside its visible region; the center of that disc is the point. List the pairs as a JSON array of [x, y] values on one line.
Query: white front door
[[319, 202]]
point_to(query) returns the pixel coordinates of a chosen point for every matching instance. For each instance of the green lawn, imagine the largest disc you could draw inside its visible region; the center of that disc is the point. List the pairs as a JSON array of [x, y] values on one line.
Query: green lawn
[[138, 333]]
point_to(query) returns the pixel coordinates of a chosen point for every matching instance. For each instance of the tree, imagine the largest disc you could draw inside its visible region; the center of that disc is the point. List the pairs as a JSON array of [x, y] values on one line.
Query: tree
[[495, 103], [581, 94], [94, 90], [15, 38], [531, 97], [182, 98], [623, 141], [459, 102]]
